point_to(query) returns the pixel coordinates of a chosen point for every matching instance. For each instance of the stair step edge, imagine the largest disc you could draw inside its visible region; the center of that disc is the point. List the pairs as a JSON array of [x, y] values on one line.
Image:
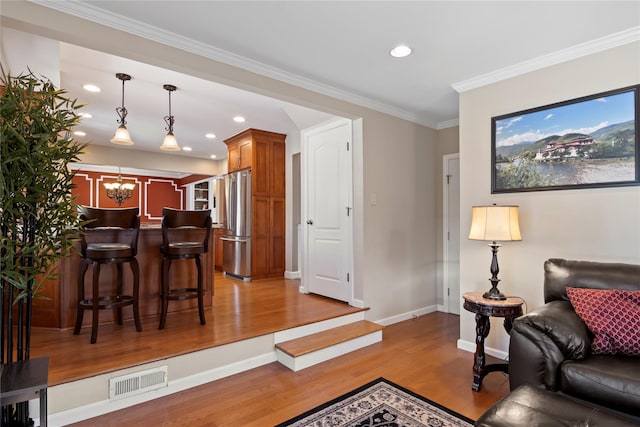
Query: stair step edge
[[314, 342]]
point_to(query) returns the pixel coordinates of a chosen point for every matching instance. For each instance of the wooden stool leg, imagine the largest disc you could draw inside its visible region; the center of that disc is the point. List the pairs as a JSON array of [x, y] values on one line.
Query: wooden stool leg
[[203, 321], [119, 292], [166, 263], [136, 293], [80, 311], [43, 407], [96, 302]]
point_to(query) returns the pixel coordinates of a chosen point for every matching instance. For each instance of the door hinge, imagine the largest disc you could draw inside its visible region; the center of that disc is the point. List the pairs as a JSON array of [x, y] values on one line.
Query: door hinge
[[448, 235], [448, 176], [348, 210], [347, 277], [347, 145], [448, 292]]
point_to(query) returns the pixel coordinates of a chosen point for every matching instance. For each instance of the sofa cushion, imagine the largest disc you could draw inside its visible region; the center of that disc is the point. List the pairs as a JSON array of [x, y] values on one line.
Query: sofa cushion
[[613, 315], [610, 381], [529, 406]]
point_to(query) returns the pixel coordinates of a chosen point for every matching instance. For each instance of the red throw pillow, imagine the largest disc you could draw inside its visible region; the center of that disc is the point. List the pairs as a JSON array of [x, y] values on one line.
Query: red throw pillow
[[612, 315]]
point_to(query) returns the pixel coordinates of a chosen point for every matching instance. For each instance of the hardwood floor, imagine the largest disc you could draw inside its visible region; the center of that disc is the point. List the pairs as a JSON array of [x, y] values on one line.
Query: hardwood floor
[[419, 354], [241, 310]]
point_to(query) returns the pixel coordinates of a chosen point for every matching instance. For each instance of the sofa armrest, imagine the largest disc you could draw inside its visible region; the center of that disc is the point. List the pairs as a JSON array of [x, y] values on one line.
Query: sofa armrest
[[541, 340]]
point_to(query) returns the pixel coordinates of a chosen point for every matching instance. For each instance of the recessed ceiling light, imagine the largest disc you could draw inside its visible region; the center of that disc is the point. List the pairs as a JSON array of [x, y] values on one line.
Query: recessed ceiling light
[[91, 88], [239, 119], [210, 135], [400, 51], [187, 148], [213, 156], [85, 115], [79, 133]]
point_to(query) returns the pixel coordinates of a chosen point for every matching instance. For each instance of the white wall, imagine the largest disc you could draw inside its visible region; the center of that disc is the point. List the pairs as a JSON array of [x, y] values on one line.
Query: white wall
[[104, 155], [587, 224]]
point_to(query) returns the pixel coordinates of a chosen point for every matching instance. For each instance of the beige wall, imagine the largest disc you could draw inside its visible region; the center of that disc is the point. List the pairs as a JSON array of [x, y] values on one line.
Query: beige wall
[[587, 224], [399, 241], [395, 240]]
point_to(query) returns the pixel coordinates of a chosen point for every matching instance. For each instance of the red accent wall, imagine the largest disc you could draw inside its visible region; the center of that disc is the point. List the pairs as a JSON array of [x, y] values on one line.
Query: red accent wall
[[151, 193]]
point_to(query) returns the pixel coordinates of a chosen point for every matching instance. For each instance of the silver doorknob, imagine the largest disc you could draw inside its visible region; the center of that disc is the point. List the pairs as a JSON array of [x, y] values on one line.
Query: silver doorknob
[[310, 221]]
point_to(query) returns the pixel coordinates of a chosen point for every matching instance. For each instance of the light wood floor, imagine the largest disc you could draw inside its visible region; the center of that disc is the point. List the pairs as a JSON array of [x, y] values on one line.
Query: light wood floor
[[241, 310], [419, 354]]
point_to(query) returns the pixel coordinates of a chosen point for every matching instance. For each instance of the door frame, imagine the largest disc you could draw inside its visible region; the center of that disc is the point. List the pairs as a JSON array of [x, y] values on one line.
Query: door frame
[[445, 228], [304, 158]]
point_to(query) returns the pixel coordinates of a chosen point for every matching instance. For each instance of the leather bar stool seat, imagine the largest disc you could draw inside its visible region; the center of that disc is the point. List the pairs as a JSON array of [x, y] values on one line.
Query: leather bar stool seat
[[185, 235], [110, 237]]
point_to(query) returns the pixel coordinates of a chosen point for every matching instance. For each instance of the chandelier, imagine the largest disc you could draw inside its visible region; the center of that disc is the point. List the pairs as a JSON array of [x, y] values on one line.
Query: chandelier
[[118, 191]]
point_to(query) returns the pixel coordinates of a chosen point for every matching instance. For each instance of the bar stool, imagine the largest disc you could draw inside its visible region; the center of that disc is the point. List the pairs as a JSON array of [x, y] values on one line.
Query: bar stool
[[110, 237], [185, 235]]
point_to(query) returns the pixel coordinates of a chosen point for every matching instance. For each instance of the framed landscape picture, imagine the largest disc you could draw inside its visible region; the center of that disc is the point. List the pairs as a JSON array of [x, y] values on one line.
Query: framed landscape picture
[[582, 143]]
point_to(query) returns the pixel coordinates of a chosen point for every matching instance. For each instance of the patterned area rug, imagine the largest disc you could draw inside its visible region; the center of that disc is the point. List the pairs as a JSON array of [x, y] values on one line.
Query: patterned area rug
[[380, 403]]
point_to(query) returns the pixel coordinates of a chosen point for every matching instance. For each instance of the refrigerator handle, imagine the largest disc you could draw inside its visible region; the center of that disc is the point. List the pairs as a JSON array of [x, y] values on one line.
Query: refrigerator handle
[[231, 239]]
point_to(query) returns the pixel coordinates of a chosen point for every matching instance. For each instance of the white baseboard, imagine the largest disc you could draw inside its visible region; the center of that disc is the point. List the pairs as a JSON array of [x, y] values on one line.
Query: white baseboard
[[406, 316], [292, 275], [471, 347]]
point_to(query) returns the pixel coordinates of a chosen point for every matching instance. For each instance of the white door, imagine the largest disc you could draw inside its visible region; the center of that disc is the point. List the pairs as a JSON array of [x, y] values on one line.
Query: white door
[[327, 210], [451, 237]]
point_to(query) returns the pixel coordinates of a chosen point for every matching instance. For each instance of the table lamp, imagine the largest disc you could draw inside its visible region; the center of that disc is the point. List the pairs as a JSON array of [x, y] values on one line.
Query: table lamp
[[494, 223]]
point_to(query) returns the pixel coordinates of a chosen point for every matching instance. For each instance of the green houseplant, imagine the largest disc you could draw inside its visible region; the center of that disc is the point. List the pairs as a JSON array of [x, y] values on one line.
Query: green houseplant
[[38, 214]]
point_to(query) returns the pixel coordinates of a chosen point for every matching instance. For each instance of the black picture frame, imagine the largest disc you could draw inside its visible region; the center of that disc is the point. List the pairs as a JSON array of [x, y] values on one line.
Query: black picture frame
[[587, 142]]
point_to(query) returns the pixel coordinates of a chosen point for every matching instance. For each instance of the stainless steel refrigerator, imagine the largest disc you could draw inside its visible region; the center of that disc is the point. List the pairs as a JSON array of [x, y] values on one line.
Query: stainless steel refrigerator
[[236, 242]]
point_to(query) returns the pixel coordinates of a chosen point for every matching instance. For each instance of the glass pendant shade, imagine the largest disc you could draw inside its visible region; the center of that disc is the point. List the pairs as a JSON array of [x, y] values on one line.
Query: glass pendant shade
[[122, 136], [170, 143]]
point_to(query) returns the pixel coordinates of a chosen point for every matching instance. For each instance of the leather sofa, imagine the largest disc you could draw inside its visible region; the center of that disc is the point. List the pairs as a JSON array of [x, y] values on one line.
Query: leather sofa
[[550, 346]]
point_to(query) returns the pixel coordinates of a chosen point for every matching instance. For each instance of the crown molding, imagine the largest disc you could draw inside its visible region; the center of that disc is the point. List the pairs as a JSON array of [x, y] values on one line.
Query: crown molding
[[603, 43], [87, 11], [447, 124], [87, 167]]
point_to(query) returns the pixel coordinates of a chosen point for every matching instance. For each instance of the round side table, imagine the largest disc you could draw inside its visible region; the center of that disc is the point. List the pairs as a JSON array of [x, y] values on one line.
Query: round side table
[[483, 308]]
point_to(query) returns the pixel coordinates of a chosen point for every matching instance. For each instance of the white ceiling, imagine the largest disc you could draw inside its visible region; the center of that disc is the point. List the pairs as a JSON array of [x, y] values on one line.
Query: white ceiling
[[339, 48]]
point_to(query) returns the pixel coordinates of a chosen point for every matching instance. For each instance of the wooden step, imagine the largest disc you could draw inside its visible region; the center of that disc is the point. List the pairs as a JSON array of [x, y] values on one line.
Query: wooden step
[[315, 348]]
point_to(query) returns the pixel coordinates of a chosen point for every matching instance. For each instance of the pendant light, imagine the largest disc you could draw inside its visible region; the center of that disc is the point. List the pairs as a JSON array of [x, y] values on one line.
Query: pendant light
[[170, 143], [122, 134]]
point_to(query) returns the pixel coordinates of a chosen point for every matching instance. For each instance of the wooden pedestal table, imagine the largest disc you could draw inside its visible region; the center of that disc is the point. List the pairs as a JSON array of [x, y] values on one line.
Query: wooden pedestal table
[[509, 308]]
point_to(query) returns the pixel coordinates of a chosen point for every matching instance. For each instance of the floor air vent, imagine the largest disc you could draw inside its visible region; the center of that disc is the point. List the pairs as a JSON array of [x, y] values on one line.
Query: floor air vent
[[138, 382]]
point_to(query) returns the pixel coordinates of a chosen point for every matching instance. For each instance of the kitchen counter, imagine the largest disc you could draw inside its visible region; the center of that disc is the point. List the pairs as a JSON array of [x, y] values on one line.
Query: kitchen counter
[[153, 225], [58, 310]]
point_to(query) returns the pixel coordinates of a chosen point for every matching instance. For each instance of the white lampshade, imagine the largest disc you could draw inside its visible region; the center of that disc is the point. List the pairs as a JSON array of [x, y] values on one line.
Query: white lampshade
[[495, 223], [122, 136], [170, 143]]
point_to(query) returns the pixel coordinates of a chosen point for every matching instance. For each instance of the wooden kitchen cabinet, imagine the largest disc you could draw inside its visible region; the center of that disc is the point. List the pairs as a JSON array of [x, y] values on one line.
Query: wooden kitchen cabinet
[[239, 153], [217, 248], [266, 152]]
